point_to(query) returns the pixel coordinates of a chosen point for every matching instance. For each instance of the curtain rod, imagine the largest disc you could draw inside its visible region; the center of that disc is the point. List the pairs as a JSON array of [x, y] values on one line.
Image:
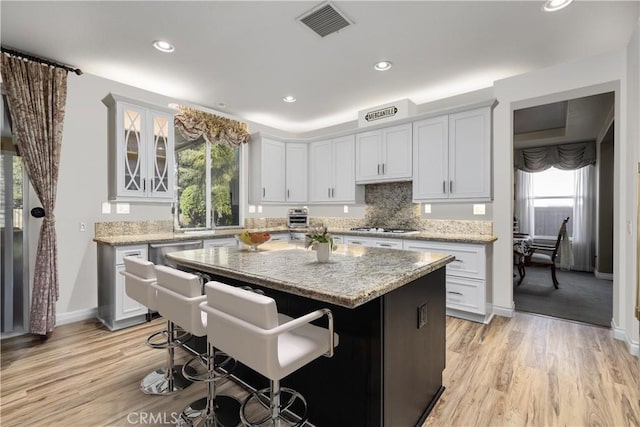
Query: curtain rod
[[23, 55]]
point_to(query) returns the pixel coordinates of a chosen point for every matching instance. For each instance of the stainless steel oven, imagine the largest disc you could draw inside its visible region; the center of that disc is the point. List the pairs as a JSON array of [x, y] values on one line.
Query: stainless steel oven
[[298, 218]]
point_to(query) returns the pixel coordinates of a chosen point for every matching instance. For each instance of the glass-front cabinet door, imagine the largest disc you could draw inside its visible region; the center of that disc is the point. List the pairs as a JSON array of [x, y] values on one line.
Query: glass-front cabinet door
[[132, 151], [141, 154], [161, 164]]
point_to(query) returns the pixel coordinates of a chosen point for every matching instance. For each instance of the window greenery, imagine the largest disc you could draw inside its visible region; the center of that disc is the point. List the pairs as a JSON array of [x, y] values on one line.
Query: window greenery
[[208, 184]]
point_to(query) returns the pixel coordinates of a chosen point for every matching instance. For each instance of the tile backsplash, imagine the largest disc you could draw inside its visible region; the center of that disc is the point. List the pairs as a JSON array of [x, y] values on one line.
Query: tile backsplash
[[389, 205], [125, 228]]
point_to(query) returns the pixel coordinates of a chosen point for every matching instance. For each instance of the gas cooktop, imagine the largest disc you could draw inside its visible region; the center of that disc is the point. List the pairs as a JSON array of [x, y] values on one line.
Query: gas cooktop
[[385, 230]]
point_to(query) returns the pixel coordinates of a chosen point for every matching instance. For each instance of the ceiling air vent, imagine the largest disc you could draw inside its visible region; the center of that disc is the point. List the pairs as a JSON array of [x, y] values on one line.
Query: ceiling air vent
[[325, 19]]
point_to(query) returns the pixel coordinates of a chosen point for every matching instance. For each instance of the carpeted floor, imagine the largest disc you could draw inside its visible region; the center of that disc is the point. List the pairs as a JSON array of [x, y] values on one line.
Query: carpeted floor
[[581, 296]]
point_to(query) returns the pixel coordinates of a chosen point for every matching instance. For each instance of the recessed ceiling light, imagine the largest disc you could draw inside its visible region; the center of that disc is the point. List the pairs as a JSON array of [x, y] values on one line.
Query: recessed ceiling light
[[382, 65], [553, 5], [163, 46], [289, 98]]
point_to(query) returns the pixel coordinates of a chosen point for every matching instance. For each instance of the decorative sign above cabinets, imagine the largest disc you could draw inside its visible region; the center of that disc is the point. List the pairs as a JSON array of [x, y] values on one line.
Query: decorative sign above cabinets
[[381, 114], [386, 113]]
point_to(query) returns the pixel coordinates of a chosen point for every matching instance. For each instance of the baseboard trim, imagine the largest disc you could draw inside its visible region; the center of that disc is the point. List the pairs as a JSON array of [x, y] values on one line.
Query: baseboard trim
[[76, 316], [620, 334], [504, 311], [605, 276]]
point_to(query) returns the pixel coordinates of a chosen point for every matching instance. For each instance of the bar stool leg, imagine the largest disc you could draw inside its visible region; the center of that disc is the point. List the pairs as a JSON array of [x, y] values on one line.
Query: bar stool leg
[[211, 410], [167, 380], [269, 410], [275, 403]]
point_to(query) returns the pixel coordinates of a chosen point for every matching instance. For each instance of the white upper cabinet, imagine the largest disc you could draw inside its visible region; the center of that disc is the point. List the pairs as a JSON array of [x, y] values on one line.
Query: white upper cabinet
[[431, 158], [141, 157], [332, 171], [452, 157], [470, 154], [384, 155], [296, 172], [321, 171], [277, 171], [267, 174]]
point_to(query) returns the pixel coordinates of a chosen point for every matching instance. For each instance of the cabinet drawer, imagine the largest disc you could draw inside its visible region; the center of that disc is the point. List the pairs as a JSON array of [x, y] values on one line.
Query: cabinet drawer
[[358, 241], [137, 250], [388, 243], [470, 259], [216, 243], [466, 295], [469, 262]]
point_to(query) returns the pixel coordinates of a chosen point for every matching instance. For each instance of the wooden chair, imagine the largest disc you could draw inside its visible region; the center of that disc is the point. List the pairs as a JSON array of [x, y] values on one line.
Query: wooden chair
[[545, 255]]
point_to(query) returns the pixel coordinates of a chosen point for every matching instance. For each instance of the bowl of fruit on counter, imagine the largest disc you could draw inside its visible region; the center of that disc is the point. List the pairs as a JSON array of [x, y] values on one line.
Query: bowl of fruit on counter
[[253, 239]]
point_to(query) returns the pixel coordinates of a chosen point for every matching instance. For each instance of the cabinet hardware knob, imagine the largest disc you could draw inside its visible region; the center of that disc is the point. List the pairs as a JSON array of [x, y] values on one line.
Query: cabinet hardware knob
[[444, 187], [383, 169], [332, 190], [288, 193], [263, 192], [450, 186], [455, 293], [328, 192], [378, 168]]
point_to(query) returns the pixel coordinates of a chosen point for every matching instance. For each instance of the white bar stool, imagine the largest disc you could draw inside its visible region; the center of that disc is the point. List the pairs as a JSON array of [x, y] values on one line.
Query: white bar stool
[[179, 299], [139, 275], [248, 327]]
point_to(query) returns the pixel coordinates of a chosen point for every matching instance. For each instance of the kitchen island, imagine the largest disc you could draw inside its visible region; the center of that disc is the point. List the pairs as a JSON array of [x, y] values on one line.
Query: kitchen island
[[389, 311]]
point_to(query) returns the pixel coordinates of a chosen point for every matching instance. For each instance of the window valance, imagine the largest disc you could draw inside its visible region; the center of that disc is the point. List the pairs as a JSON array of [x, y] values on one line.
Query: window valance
[[193, 124], [564, 156]]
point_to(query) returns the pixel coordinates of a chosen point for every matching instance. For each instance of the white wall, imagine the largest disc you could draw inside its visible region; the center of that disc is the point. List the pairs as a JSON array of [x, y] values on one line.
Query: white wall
[[82, 187], [590, 76], [633, 163]]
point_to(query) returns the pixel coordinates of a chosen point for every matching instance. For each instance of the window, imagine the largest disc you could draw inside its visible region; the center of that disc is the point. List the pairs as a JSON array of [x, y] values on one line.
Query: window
[[208, 184], [553, 201]]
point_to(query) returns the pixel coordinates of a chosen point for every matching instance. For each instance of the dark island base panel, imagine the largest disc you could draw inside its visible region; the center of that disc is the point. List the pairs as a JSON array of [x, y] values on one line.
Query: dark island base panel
[[385, 372]]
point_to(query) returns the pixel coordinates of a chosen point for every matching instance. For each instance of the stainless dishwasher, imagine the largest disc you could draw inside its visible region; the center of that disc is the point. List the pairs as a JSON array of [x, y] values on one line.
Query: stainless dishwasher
[[157, 251]]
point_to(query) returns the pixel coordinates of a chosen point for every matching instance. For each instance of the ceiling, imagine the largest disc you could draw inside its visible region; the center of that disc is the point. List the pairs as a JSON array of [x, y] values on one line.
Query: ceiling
[[574, 120], [243, 57]]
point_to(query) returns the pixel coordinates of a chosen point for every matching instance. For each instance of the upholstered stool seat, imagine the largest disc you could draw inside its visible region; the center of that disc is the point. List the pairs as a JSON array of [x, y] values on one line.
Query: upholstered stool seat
[[139, 276], [179, 299], [248, 327]]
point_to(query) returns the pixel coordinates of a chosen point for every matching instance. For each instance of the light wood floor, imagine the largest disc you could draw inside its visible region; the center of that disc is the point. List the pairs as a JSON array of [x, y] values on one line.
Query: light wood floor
[[524, 371]]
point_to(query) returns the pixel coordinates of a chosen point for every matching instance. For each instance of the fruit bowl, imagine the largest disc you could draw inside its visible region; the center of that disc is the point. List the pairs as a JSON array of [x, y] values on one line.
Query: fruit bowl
[[253, 240]]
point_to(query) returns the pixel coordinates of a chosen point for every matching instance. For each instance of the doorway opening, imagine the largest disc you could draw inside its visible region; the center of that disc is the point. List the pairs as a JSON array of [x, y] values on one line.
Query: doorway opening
[[563, 158]]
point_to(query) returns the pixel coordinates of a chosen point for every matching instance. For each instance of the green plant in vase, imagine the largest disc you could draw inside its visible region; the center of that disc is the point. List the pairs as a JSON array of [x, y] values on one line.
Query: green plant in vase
[[320, 241], [318, 235]]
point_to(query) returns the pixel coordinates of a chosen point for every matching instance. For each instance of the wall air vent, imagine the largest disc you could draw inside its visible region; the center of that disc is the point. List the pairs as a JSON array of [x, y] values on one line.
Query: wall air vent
[[325, 19]]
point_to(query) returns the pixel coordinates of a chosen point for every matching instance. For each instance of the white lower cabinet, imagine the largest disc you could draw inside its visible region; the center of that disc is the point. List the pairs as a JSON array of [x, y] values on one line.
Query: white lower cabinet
[[468, 293], [115, 309], [216, 243], [380, 242], [284, 236], [465, 294]]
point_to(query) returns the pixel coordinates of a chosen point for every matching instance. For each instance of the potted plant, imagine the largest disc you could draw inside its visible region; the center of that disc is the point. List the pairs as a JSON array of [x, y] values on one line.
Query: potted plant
[[321, 241]]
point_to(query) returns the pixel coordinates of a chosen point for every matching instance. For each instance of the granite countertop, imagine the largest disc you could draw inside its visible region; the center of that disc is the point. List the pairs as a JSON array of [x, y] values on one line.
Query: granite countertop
[[352, 277], [133, 239], [441, 237]]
